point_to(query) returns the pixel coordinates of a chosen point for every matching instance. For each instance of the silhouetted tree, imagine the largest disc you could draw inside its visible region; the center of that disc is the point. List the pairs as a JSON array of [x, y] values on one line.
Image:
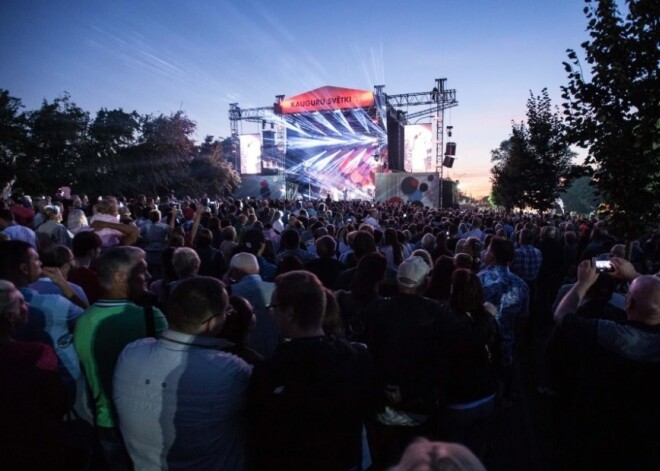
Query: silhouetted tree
[[209, 172], [614, 109]]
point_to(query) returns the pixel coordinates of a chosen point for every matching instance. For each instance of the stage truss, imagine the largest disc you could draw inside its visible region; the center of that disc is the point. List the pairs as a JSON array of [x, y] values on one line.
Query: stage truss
[[395, 108]]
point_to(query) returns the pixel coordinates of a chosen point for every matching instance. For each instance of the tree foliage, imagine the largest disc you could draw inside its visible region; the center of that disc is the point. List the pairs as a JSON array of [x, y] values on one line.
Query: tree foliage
[[535, 164], [13, 133], [209, 173], [55, 145], [118, 152], [615, 110]]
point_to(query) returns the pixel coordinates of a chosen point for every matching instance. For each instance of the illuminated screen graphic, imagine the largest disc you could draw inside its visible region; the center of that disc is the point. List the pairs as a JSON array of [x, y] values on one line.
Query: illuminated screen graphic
[[250, 153], [418, 154], [335, 152]]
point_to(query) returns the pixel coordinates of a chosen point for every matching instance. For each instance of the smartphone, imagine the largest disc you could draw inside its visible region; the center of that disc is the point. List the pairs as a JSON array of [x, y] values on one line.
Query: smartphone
[[604, 266]]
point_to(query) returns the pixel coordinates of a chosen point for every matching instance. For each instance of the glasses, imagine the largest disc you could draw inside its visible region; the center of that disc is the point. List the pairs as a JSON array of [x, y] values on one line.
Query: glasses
[[272, 307], [227, 312]]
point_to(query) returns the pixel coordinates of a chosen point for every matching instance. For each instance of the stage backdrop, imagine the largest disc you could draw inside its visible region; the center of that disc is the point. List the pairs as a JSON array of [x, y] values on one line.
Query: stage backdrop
[[423, 188]]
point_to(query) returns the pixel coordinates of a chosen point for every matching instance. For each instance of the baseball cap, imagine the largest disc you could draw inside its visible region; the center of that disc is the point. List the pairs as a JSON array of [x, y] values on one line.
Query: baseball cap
[[412, 272]]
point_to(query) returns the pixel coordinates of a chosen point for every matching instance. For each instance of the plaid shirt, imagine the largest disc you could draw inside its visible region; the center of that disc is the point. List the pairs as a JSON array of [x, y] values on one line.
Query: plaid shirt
[[527, 262]]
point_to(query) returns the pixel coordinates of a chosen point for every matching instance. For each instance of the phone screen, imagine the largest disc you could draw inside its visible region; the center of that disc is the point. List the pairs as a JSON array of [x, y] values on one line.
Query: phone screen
[[604, 265]]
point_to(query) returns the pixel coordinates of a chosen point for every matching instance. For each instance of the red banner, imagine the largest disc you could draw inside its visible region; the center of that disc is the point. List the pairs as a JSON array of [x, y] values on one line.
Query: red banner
[[327, 99]]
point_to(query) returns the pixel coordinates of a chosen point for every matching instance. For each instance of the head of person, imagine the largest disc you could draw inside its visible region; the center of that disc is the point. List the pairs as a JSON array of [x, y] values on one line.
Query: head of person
[[526, 237], [229, 233], [500, 252], [440, 283], [243, 264], [298, 304], [76, 219], [369, 275], [123, 273], [186, 262], [463, 260], [154, 216], [363, 243], [205, 239], [325, 246], [19, 262], [290, 239], [412, 275], [6, 218], [57, 256], [289, 263], [239, 321], [643, 300], [424, 455], [466, 294], [198, 306], [52, 212], [428, 242], [13, 308]]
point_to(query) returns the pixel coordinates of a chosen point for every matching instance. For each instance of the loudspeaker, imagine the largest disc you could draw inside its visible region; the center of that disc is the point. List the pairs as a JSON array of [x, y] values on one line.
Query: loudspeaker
[[451, 148], [448, 162]]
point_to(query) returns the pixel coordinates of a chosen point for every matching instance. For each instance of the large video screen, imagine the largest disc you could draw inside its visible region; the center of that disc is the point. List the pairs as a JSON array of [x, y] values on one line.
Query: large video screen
[[418, 154], [335, 152], [250, 153]]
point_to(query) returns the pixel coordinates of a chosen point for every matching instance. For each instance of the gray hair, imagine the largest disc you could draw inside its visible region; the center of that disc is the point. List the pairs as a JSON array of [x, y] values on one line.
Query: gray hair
[[186, 262], [116, 260]]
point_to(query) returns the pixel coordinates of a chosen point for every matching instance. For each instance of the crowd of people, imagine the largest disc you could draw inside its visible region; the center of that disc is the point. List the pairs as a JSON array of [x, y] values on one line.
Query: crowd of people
[[216, 333]]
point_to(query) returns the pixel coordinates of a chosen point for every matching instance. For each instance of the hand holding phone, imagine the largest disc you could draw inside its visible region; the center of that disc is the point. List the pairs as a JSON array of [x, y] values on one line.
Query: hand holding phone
[[604, 266]]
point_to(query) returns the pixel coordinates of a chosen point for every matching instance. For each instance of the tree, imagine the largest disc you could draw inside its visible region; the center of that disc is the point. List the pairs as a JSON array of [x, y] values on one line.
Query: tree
[[56, 141], [615, 112], [209, 172], [104, 166], [13, 133], [508, 173], [534, 165], [159, 162]]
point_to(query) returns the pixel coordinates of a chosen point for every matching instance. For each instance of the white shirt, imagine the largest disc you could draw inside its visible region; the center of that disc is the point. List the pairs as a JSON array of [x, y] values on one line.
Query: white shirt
[[181, 403]]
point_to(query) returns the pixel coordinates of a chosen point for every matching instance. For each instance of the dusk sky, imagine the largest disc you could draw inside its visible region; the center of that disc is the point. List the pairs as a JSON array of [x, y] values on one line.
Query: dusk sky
[[160, 56]]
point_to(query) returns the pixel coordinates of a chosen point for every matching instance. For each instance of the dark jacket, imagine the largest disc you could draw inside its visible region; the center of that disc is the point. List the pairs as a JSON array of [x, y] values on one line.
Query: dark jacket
[[307, 403]]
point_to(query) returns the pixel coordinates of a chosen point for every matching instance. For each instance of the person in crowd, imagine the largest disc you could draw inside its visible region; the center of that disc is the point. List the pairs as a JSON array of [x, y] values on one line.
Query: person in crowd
[[327, 268], [52, 231], [58, 257], [363, 243], [22, 209], [14, 231], [240, 322], [308, 400], [51, 318], [393, 252], [180, 399], [86, 247], [475, 230], [471, 369], [551, 274], [33, 399], [186, 264], [105, 329], [440, 283], [154, 235], [212, 263], [369, 276], [404, 334], [77, 221], [254, 241], [527, 260], [228, 243], [290, 245], [616, 403], [244, 269], [510, 296]]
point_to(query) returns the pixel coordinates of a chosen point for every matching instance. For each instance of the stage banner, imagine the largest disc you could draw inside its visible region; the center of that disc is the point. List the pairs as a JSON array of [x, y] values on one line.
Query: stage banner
[[327, 99], [420, 188]]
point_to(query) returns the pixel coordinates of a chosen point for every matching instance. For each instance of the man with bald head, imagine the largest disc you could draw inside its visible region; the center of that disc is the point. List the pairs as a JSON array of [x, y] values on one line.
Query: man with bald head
[[244, 269], [616, 406]]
